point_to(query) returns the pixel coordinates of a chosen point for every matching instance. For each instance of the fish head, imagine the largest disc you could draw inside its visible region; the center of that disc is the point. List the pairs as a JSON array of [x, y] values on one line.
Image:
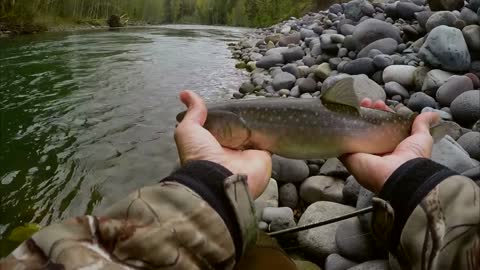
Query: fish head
[[228, 128]]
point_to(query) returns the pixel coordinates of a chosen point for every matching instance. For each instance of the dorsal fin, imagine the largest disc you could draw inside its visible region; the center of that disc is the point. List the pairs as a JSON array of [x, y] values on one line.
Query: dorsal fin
[[341, 95]]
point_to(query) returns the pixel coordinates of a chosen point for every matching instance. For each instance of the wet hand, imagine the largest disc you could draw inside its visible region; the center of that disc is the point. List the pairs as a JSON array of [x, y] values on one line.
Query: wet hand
[[196, 143], [372, 171]]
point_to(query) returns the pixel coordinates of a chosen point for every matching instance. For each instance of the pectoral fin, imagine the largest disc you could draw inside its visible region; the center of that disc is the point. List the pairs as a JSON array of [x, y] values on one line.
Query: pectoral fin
[[341, 97]]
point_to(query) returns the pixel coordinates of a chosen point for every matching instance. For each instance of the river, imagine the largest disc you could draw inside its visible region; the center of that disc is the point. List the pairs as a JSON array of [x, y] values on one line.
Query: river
[[86, 117]]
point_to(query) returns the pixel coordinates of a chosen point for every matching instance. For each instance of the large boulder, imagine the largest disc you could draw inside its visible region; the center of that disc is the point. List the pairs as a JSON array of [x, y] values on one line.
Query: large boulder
[[385, 45], [446, 48], [114, 21], [371, 30], [320, 241]]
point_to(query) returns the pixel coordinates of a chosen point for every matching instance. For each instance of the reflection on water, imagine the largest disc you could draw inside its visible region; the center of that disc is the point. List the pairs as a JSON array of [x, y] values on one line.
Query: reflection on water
[[87, 117]]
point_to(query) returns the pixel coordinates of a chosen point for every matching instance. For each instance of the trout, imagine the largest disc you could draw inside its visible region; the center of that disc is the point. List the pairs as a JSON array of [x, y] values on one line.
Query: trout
[[321, 128]]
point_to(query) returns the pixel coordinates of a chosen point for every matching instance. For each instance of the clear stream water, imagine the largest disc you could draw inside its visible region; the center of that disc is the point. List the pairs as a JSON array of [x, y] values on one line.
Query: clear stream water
[[87, 117]]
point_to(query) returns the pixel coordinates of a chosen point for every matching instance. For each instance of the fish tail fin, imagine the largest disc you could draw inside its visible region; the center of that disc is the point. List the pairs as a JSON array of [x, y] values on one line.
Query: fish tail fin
[[438, 131]]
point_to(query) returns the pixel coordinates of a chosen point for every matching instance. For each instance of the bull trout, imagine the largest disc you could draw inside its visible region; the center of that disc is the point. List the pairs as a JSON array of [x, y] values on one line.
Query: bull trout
[[307, 128]]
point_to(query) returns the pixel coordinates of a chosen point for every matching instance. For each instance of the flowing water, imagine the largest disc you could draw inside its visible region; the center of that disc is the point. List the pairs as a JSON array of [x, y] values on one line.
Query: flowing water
[[87, 117]]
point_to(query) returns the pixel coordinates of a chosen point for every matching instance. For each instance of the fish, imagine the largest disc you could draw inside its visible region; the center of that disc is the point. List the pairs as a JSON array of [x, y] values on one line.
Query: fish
[[313, 128]]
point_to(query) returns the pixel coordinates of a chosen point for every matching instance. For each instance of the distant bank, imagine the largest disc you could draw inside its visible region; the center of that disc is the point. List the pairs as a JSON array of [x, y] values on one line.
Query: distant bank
[[26, 16]]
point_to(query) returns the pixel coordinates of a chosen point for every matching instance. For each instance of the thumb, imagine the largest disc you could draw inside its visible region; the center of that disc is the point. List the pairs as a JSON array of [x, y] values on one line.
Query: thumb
[[196, 109], [424, 121]]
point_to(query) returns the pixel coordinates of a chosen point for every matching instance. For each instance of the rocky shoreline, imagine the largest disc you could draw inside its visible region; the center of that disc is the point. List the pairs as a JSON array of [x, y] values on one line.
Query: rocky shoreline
[[416, 56]]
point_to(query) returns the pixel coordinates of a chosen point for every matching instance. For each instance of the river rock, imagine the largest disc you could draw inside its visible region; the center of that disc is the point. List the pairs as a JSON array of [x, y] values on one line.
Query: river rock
[[469, 16], [452, 88], [316, 50], [385, 45], [359, 66], [307, 85], [443, 114], [279, 218], [320, 241], [335, 8], [334, 167], [293, 54], [445, 4], [466, 107], [337, 262], [289, 170], [382, 61], [474, 4], [292, 69], [283, 80], [365, 197], [434, 79], [306, 33], [372, 265], [351, 190], [445, 18], [353, 10], [321, 188], [406, 10], [446, 48], [371, 30], [288, 195], [347, 29], [269, 61], [470, 141], [323, 71], [269, 198], [471, 34], [402, 74], [450, 154], [394, 88], [246, 88], [293, 38], [353, 243], [420, 100]]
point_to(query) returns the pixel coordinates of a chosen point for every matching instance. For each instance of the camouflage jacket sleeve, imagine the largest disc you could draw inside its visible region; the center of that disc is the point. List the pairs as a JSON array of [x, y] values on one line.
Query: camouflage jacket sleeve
[[200, 217], [429, 218]]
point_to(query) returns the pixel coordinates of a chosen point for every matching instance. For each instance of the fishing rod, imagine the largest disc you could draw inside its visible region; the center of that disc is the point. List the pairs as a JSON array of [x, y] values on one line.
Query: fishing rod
[[322, 223]]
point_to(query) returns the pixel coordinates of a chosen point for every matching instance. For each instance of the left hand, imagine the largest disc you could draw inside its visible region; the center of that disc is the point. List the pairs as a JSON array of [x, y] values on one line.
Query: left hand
[[196, 143]]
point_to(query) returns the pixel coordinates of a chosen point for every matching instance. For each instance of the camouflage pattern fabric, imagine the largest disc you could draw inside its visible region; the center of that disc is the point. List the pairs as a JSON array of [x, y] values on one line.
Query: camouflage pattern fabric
[[164, 226], [443, 232]]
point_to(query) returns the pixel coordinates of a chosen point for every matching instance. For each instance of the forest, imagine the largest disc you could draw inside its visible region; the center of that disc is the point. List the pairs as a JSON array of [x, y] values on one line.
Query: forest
[[253, 13]]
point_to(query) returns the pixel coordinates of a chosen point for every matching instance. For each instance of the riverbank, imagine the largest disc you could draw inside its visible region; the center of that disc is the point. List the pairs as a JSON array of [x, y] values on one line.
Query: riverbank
[[415, 56]]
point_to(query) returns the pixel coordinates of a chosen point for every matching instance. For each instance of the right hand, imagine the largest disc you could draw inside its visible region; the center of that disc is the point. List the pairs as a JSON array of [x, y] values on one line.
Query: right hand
[[372, 171]]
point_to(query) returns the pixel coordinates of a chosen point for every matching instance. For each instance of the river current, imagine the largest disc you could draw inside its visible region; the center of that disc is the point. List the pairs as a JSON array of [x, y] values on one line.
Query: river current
[[87, 117]]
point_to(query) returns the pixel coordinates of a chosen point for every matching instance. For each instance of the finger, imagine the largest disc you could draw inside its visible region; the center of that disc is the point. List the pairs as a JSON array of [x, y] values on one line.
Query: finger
[[197, 111], [424, 121], [366, 102], [380, 105]]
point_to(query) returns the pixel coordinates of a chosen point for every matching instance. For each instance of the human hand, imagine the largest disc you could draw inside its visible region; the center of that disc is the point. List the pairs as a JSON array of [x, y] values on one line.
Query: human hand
[[196, 143], [372, 171]]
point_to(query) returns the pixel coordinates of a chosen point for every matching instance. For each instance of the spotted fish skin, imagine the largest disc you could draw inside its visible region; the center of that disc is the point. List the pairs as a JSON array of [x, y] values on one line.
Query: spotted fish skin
[[304, 128]]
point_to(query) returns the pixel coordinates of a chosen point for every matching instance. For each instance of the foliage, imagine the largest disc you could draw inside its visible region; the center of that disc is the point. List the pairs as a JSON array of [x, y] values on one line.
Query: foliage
[[225, 12]]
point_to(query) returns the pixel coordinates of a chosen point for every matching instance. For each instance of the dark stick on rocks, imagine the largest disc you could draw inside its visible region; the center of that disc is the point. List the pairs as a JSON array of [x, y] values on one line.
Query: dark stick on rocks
[[322, 223]]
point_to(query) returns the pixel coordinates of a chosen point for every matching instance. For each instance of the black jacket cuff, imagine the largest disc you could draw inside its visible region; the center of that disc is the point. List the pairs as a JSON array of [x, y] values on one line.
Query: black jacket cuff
[[407, 187], [206, 178]]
